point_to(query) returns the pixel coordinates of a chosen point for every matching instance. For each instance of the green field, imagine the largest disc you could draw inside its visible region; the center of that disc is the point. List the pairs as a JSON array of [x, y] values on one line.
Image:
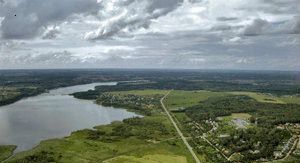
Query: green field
[[151, 138], [290, 99], [181, 99], [148, 159], [260, 97], [79, 148], [243, 116]]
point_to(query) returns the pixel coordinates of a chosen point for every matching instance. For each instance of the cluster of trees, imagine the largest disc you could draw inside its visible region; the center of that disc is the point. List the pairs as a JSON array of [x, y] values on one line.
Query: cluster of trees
[[143, 104], [87, 95], [40, 157], [184, 84], [9, 99], [254, 143], [20, 93], [265, 114], [141, 128]]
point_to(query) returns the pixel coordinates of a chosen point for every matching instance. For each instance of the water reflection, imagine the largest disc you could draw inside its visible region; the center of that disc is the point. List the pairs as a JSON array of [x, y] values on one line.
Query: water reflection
[[54, 114]]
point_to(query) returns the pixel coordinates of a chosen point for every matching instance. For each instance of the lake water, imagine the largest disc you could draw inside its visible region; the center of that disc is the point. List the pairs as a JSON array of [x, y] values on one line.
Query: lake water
[[53, 115]]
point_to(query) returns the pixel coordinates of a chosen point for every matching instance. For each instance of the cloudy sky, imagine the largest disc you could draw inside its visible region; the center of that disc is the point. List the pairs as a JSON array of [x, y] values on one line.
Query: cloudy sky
[[204, 34]]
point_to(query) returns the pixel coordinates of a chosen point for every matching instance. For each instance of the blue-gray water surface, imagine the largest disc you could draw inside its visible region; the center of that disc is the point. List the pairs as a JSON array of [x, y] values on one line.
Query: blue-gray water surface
[[53, 115]]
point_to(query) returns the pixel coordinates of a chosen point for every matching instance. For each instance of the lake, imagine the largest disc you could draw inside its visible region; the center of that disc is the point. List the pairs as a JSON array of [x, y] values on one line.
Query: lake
[[53, 115]]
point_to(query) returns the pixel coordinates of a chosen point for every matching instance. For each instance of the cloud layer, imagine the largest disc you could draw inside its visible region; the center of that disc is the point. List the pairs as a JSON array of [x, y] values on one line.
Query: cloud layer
[[234, 34], [128, 15], [26, 18]]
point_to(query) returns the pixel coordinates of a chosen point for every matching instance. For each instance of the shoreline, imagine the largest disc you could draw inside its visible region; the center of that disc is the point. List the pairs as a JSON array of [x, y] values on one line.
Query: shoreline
[[71, 132]]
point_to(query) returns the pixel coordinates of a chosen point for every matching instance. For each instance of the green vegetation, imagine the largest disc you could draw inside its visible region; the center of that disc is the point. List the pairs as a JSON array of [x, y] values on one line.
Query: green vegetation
[[293, 158], [264, 113], [260, 97], [148, 159], [146, 104], [134, 139], [6, 151], [147, 92], [178, 99], [110, 141], [243, 116], [291, 99], [237, 116], [9, 95], [251, 143], [233, 133]]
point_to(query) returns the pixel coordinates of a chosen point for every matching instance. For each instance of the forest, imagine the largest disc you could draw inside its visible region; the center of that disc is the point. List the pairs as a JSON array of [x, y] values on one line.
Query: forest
[[265, 114]]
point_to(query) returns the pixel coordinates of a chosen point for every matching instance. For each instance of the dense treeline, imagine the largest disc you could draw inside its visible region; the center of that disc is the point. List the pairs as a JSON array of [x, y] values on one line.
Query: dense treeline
[[40, 157], [263, 113], [88, 95], [277, 89], [280, 83], [20, 93], [143, 104], [141, 128]]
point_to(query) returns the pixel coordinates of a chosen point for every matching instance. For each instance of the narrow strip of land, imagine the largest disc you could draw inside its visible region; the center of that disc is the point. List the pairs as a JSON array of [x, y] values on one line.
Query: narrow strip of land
[[178, 130]]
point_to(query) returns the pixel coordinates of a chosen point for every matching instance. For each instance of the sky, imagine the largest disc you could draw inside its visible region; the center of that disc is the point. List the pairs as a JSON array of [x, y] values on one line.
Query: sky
[[178, 34]]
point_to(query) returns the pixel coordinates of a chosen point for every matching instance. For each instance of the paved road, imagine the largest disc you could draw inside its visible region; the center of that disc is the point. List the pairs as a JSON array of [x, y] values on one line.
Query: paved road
[[178, 130]]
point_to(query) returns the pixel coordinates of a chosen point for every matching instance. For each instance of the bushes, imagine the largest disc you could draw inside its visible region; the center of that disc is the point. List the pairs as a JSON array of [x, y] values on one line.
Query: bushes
[[94, 134], [141, 128], [40, 157]]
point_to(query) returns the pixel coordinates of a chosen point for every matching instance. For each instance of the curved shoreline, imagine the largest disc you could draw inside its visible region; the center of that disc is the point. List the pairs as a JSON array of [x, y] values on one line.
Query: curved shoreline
[[93, 115]]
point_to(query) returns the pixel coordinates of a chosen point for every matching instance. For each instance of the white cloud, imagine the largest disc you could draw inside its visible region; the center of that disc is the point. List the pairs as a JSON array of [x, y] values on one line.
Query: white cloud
[[129, 15], [254, 34], [27, 18]]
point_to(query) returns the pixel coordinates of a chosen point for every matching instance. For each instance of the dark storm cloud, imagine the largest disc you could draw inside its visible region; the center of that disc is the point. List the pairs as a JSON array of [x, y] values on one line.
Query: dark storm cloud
[[26, 19], [296, 26], [261, 27], [226, 18], [51, 33], [257, 27]]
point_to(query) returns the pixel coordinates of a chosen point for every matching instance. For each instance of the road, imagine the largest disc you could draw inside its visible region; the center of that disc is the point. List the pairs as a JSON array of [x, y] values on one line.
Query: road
[[217, 149], [178, 130], [292, 148]]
